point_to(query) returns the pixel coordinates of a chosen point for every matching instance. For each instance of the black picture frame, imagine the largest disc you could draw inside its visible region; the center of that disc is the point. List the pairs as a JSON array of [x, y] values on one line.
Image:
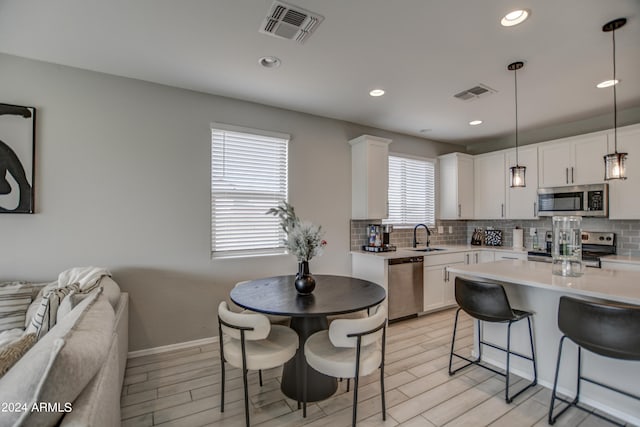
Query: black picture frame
[[17, 158]]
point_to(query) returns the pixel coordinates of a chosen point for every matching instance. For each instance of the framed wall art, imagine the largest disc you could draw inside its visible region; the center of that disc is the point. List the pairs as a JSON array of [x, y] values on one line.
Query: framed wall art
[[17, 158]]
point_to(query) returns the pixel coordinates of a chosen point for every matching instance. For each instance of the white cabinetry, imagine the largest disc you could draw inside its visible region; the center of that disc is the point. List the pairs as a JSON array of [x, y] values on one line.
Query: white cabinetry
[[480, 257], [500, 255], [438, 282], [572, 161], [369, 177], [522, 201], [624, 202], [456, 186], [489, 186]]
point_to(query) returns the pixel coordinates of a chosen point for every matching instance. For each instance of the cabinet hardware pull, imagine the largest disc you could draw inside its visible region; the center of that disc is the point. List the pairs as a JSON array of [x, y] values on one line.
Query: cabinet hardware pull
[[476, 258], [444, 274], [572, 181], [502, 210], [459, 210], [566, 175], [468, 259], [447, 274], [535, 213], [508, 257]]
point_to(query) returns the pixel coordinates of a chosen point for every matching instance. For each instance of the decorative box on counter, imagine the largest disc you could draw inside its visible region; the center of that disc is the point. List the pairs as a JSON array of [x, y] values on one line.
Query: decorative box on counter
[[493, 237]]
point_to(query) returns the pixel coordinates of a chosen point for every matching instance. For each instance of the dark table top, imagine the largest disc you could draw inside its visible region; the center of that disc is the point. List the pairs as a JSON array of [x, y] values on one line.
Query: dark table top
[[332, 295]]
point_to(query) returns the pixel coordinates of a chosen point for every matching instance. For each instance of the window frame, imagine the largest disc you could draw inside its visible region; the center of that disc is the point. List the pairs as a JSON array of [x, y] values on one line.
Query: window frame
[[253, 252], [427, 221]]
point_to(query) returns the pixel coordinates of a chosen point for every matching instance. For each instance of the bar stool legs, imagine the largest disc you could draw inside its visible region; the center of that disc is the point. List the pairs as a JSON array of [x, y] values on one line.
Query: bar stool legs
[[603, 329], [507, 350], [576, 400]]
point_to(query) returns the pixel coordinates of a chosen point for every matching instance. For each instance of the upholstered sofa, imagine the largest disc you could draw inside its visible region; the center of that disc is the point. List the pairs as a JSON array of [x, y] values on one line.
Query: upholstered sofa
[[73, 374]]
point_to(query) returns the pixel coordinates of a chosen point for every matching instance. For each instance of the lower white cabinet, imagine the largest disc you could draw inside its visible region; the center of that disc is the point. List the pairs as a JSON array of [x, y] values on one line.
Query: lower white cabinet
[[438, 281], [480, 257], [500, 255]]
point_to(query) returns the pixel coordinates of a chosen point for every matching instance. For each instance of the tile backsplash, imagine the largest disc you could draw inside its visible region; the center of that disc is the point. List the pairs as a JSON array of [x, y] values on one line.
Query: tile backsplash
[[403, 237], [627, 232]]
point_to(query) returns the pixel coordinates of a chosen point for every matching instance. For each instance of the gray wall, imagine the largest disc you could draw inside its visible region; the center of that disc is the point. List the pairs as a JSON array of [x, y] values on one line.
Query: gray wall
[[123, 182]]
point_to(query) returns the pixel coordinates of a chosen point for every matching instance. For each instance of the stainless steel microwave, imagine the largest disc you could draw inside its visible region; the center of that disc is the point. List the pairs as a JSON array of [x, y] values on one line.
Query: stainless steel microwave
[[581, 200]]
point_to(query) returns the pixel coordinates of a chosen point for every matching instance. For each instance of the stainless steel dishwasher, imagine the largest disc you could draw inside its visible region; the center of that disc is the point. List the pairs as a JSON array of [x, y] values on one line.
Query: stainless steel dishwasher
[[405, 287]]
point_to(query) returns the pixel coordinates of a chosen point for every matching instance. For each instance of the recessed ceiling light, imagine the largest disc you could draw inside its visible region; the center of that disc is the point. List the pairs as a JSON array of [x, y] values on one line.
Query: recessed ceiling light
[[269, 62], [515, 17], [607, 83], [376, 92], [475, 122], [426, 130]]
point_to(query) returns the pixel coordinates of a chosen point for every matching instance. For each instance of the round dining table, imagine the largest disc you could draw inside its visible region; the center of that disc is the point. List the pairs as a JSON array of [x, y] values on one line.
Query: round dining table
[[333, 295]]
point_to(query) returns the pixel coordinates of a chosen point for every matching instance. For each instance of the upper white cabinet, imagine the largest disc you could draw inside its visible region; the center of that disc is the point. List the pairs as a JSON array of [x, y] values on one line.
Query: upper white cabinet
[[572, 161], [624, 202], [369, 177], [456, 186], [522, 201], [489, 186]]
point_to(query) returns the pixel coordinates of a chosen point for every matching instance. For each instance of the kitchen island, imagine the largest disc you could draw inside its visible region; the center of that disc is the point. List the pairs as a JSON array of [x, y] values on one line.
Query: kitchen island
[[531, 286]]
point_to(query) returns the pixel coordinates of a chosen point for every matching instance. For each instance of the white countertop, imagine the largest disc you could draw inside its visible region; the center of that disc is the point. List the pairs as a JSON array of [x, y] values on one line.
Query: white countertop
[[410, 252], [614, 285]]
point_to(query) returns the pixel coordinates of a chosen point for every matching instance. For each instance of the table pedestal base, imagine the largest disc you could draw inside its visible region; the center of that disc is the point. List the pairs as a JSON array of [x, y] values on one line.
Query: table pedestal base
[[319, 386]]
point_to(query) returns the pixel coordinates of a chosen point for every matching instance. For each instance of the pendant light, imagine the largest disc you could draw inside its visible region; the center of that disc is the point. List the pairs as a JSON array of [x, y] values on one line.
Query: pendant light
[[517, 173], [614, 163]]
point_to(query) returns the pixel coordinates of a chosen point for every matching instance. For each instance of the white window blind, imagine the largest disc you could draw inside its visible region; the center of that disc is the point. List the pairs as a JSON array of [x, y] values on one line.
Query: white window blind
[[411, 190], [248, 176]]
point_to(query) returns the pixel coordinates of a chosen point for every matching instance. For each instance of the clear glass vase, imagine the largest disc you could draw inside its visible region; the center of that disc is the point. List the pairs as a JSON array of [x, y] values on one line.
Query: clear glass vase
[[567, 246]]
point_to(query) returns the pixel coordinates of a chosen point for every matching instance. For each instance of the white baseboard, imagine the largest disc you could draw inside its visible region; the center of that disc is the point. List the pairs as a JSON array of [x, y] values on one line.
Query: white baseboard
[[172, 347]]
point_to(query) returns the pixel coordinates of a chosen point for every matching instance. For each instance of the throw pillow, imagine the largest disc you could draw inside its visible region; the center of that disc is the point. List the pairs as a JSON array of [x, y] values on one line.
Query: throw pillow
[[11, 353], [15, 298], [45, 318], [39, 291]]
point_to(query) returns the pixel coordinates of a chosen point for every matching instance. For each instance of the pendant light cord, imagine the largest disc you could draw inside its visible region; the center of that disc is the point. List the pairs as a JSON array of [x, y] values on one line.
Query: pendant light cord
[[515, 79], [615, 103]]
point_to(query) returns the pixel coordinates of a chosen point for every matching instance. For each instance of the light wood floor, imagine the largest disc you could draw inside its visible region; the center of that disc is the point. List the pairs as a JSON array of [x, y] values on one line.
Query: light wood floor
[[182, 388]]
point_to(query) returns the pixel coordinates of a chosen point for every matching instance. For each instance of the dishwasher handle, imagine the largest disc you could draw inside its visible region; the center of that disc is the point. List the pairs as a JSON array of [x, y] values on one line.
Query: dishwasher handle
[[395, 261]]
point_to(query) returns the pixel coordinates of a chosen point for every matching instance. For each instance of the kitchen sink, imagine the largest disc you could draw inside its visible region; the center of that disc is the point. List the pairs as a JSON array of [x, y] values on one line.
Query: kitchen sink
[[429, 250]]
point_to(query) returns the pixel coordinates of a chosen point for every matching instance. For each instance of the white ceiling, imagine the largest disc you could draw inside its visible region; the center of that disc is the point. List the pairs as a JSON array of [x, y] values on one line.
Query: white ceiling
[[421, 52]]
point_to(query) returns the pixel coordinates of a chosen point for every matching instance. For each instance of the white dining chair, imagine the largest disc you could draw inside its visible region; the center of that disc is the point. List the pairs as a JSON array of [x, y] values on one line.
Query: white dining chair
[[351, 348], [250, 342], [274, 319]]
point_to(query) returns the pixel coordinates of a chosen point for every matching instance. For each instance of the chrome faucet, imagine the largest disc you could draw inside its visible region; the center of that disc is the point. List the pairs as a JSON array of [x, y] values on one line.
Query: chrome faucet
[[415, 240]]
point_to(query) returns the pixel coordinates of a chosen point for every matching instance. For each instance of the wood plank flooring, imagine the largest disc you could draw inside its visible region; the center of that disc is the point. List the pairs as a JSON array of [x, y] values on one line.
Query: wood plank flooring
[[182, 388]]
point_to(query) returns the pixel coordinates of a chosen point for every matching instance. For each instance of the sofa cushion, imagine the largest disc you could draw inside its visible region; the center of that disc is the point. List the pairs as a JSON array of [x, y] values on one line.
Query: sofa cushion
[[12, 352], [15, 298], [46, 317], [61, 364]]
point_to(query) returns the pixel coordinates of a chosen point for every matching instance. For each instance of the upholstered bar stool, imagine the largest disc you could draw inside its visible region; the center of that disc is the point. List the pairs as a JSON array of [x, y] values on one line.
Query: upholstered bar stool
[[606, 329], [488, 302]]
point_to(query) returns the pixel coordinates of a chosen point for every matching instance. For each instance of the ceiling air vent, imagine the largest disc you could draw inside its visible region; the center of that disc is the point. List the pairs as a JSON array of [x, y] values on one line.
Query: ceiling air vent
[[479, 91], [290, 22]]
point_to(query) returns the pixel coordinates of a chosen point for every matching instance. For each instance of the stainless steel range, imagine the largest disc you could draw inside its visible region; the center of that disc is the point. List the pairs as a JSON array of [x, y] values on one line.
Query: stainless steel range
[[595, 244]]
